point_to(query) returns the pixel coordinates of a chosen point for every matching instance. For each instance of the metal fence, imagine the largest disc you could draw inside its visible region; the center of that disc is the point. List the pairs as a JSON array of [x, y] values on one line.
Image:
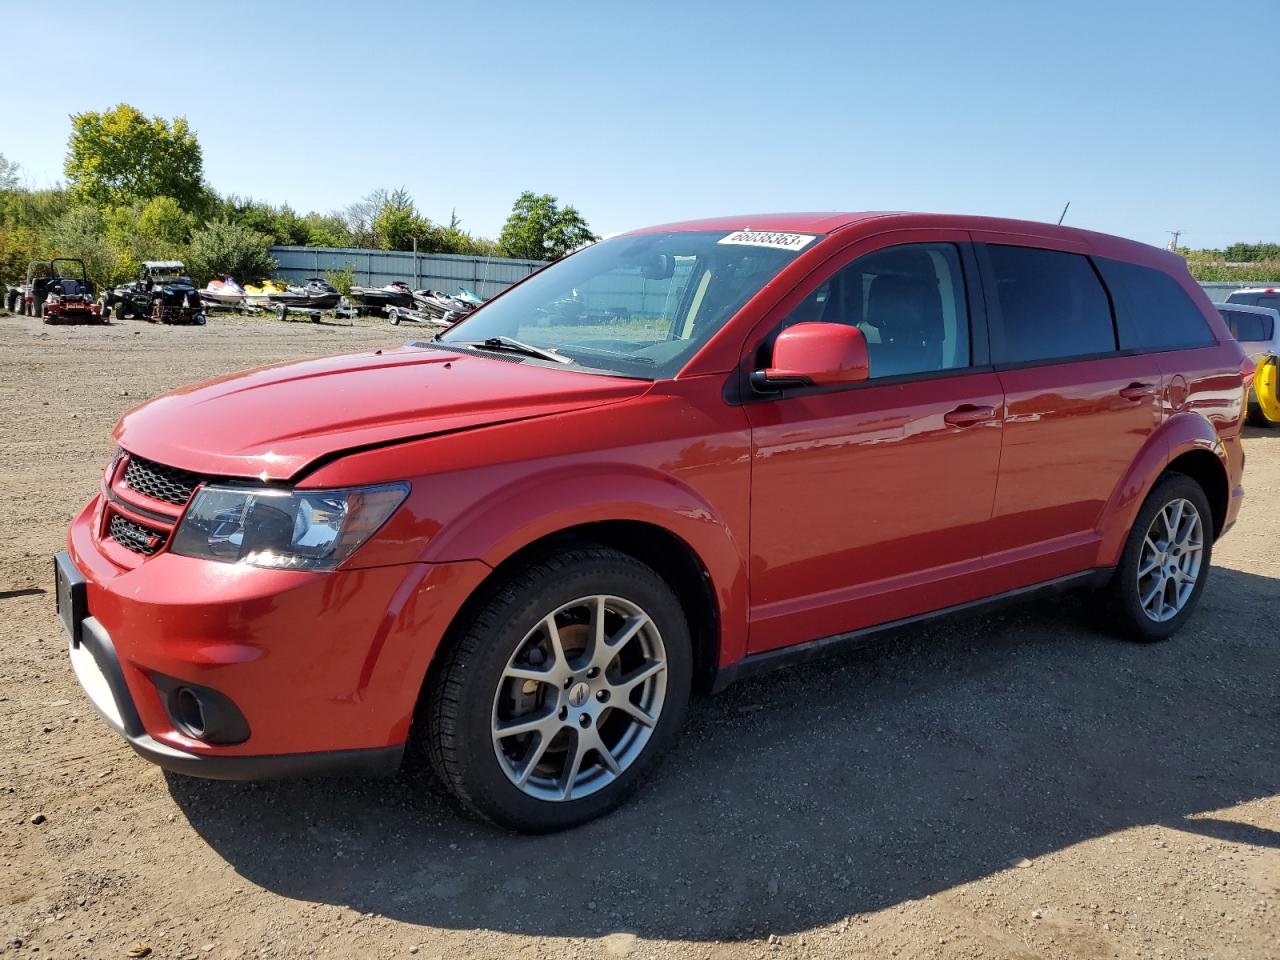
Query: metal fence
[[1219, 290], [486, 276]]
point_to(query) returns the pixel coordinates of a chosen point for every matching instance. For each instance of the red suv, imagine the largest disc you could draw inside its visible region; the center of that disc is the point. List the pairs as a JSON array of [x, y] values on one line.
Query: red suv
[[674, 458]]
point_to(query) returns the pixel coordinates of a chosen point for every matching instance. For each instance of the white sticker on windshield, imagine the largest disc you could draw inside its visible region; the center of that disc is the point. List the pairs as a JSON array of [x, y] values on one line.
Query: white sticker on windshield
[[765, 238]]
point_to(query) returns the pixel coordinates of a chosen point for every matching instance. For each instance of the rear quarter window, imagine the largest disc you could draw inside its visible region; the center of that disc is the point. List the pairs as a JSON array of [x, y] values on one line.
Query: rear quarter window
[[1156, 313], [1052, 306]]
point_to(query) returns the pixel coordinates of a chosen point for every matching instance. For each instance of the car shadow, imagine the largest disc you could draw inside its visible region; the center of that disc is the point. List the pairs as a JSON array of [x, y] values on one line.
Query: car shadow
[[837, 787]]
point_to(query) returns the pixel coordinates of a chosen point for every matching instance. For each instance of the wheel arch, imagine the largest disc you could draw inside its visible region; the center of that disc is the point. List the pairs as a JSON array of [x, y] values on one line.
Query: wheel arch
[[666, 553], [1186, 443]]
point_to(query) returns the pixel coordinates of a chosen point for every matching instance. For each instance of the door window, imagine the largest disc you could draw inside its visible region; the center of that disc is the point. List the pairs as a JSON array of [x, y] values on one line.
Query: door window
[[1052, 306], [909, 302]]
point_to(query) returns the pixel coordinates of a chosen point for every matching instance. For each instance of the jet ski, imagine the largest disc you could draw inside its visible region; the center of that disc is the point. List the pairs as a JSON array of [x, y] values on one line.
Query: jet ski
[[261, 294], [467, 295], [374, 299], [441, 306], [314, 294], [224, 292]]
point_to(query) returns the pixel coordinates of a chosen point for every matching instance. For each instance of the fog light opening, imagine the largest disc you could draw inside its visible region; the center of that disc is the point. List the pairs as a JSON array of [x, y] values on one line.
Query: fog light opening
[[188, 711]]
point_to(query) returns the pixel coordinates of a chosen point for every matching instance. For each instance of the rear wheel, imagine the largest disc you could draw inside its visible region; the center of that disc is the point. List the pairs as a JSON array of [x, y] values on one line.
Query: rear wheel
[[120, 311], [562, 692], [1165, 562]]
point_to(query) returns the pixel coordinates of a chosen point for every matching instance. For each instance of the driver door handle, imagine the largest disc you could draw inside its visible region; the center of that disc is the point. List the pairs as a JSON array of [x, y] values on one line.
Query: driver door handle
[[968, 414]]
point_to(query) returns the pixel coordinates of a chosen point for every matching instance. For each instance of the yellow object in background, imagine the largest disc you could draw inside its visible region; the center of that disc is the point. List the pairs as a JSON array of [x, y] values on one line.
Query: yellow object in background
[[1266, 385]]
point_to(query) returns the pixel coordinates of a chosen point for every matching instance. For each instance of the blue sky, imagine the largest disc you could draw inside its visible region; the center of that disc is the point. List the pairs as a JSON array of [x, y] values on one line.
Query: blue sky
[[1138, 113]]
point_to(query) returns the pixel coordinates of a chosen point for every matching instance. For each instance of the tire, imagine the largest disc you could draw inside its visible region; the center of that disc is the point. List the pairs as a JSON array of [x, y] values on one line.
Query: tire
[[468, 694], [1128, 616], [199, 319], [120, 311]]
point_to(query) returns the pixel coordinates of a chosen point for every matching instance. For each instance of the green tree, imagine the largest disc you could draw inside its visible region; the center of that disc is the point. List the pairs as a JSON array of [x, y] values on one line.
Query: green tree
[[120, 156], [398, 223], [155, 230], [80, 233], [540, 229], [224, 246], [8, 175]]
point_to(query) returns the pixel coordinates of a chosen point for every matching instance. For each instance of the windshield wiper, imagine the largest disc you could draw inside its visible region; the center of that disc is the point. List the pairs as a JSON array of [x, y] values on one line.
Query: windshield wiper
[[511, 345]]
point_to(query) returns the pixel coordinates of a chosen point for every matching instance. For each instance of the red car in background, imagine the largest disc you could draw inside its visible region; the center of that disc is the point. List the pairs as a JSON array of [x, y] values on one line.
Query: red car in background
[[676, 457]]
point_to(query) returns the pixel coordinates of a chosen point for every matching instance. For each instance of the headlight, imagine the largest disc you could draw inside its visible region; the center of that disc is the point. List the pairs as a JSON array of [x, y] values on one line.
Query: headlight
[[289, 529]]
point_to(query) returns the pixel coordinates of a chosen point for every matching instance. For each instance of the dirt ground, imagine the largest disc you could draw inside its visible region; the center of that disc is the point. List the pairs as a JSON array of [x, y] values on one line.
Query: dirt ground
[[1017, 785]]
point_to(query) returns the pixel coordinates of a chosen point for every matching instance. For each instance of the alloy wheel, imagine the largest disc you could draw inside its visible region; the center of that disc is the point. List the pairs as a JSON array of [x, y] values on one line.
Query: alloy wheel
[[579, 699], [1170, 559]]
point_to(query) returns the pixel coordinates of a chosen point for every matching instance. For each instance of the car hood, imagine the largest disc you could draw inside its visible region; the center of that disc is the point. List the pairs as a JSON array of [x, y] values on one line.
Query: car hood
[[271, 423]]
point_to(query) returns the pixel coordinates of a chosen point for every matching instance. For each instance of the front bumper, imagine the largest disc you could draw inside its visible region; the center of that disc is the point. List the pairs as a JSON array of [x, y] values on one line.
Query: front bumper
[[325, 669]]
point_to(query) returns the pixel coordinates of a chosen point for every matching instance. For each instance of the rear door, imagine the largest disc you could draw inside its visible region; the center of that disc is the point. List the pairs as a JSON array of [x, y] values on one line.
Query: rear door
[[869, 503], [1078, 409]]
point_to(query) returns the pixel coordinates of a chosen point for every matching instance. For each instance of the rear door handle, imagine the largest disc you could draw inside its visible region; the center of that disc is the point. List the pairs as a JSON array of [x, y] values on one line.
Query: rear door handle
[[967, 414], [1138, 391]]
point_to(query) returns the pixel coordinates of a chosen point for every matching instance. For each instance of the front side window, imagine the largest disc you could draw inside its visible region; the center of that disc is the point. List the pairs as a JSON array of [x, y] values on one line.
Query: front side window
[[909, 303], [1160, 313], [637, 306], [1052, 306]]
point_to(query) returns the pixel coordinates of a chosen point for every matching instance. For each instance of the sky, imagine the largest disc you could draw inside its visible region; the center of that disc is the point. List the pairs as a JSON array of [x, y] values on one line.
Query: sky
[[1147, 116]]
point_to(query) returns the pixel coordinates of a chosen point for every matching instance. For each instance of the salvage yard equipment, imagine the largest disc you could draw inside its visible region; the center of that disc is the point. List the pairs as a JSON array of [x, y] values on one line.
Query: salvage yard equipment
[[57, 290], [163, 293]]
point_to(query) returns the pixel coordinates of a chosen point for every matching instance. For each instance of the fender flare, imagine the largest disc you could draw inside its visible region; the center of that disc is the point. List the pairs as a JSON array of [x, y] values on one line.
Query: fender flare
[[1180, 434], [552, 501]]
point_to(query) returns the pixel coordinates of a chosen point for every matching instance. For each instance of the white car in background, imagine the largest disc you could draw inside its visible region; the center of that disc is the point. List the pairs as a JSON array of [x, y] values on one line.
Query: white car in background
[[1257, 328]]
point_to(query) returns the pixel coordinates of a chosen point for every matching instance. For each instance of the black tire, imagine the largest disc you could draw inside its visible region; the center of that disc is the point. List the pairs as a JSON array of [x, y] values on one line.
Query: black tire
[[1125, 614], [453, 724], [121, 313]]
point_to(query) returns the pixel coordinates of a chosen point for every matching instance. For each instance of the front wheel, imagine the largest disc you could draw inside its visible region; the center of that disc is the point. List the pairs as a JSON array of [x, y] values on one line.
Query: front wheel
[[1165, 562], [561, 694]]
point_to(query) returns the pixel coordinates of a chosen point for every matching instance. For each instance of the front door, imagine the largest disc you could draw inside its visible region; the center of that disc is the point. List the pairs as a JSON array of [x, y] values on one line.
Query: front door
[[870, 503]]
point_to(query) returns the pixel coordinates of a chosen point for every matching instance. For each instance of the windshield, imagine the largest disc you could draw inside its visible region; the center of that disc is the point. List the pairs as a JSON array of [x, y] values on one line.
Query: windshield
[[639, 306]]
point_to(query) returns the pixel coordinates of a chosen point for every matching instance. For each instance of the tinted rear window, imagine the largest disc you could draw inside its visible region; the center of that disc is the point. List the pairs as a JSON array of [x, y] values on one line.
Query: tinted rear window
[[1052, 306], [1249, 327], [1155, 312], [1271, 300]]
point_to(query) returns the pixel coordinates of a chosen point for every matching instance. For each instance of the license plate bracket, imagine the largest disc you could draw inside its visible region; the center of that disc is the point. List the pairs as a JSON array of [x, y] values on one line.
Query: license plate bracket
[[70, 596]]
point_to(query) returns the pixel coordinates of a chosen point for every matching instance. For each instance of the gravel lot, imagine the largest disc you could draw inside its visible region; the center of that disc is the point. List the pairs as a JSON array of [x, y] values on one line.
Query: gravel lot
[[1017, 785]]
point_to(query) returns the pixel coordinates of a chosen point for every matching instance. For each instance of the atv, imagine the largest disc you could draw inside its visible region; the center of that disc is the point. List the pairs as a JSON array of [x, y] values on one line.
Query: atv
[[56, 290], [163, 293]]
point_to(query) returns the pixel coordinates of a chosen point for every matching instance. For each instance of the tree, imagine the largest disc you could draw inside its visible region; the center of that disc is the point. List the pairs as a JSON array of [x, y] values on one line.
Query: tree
[[79, 233], [155, 230], [398, 222], [539, 229], [119, 157], [8, 175], [224, 246]]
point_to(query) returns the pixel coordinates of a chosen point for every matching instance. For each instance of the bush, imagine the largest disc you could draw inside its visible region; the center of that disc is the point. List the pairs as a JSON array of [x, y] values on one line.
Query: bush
[[223, 246], [342, 279]]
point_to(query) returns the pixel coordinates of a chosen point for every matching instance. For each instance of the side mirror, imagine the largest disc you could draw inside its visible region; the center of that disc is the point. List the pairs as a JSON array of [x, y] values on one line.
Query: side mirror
[[815, 354]]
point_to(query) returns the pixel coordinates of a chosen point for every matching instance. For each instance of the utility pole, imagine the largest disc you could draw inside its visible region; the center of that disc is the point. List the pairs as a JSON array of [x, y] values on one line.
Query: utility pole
[[1173, 243]]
